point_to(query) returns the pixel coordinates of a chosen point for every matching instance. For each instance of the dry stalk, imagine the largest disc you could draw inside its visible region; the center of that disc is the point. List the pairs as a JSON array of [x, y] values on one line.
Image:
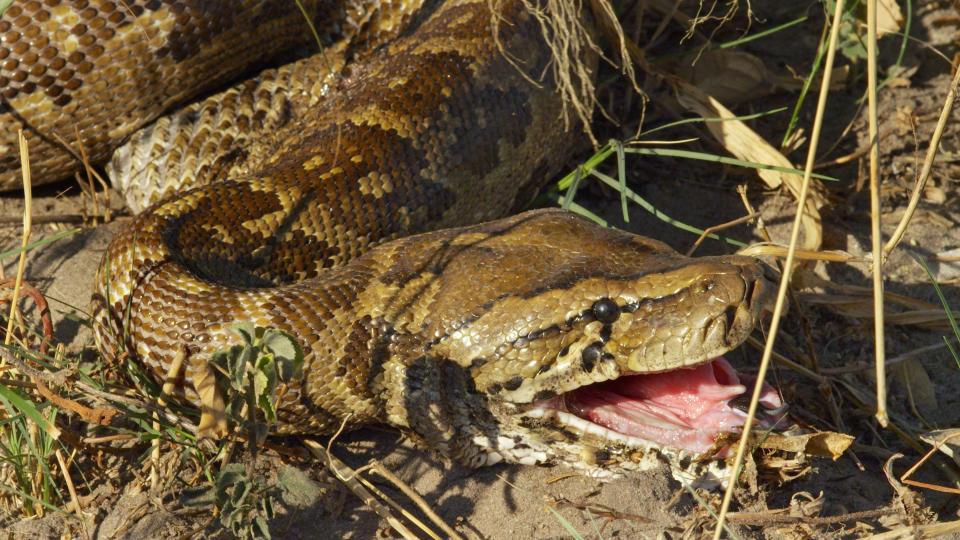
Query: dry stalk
[[788, 266], [27, 212], [77, 508], [927, 164], [168, 385], [877, 239], [378, 468], [349, 478]]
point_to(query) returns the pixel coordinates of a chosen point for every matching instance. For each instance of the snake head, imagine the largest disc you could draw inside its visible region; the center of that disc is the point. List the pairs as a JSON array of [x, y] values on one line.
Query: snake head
[[556, 340]]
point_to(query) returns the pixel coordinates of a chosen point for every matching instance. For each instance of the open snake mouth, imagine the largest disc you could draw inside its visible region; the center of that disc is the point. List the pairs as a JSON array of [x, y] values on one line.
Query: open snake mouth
[[685, 409]]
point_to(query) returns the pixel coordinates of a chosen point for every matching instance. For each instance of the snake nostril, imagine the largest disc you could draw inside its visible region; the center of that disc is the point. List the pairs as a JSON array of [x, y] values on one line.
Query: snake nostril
[[730, 316], [590, 355], [748, 295]]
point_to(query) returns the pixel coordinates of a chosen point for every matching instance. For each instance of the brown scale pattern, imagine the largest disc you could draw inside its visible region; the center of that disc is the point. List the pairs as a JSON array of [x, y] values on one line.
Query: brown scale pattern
[[439, 332], [109, 68]]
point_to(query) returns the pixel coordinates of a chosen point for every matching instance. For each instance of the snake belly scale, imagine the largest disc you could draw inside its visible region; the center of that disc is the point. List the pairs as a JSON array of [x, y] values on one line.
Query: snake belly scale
[[487, 340]]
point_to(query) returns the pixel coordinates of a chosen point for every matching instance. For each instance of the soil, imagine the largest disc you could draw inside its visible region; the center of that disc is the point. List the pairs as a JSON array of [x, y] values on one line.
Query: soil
[[511, 501]]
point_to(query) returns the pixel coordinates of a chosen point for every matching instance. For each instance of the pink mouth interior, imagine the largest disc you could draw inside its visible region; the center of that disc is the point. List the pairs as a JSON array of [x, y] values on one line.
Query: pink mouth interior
[[683, 408]]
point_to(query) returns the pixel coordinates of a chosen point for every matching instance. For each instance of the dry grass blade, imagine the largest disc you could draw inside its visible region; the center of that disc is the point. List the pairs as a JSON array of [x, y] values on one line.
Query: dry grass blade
[[77, 508], [168, 387], [378, 468], [905, 478], [25, 240], [788, 266], [773, 250], [918, 532], [716, 228], [877, 239], [349, 478], [928, 160]]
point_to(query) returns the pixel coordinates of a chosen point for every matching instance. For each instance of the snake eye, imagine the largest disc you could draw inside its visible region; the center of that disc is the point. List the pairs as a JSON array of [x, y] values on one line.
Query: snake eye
[[606, 310]]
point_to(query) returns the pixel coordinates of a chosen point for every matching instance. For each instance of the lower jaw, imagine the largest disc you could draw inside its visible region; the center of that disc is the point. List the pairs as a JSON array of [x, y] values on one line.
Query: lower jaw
[[616, 424]]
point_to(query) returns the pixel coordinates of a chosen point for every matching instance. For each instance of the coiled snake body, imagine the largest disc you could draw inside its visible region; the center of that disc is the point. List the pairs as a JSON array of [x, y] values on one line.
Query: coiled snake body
[[522, 339]]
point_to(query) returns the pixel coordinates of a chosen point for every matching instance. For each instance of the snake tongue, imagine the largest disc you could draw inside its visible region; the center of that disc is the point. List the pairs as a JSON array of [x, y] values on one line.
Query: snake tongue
[[683, 408]]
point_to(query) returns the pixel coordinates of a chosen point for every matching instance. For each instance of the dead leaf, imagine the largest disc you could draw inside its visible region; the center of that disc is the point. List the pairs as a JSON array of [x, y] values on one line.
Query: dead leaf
[[794, 82], [946, 265], [935, 195], [947, 439], [824, 444], [921, 390], [729, 76], [213, 417], [889, 17], [741, 141]]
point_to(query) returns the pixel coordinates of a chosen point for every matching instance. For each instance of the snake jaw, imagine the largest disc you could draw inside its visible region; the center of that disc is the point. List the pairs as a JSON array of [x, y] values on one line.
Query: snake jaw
[[610, 427]]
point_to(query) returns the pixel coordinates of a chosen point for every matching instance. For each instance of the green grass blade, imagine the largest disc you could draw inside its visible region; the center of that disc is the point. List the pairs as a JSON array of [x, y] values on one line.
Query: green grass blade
[[38, 243], [691, 154], [15, 402], [946, 306], [660, 215], [702, 120]]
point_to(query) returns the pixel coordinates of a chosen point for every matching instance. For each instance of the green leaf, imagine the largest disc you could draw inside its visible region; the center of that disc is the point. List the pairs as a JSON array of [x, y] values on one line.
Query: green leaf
[[260, 528], [239, 368], [260, 431], [260, 381], [235, 407], [229, 476], [296, 487], [265, 403], [269, 370], [240, 491], [281, 344], [246, 330], [267, 507]]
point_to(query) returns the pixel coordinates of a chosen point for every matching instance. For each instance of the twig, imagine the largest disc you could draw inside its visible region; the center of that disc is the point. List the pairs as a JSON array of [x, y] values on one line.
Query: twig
[[25, 240], [856, 154], [603, 511], [906, 476], [788, 267], [415, 497], [339, 470], [81, 157], [915, 196], [48, 218], [393, 504], [66, 478], [754, 518], [42, 308], [714, 228], [877, 239], [59, 378], [168, 385]]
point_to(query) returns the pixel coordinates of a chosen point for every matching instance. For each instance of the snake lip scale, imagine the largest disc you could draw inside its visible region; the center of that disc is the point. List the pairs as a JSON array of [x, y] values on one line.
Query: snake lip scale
[[363, 214]]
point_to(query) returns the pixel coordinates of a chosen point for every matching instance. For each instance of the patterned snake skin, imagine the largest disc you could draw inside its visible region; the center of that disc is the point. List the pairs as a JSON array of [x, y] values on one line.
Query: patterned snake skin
[[483, 341]]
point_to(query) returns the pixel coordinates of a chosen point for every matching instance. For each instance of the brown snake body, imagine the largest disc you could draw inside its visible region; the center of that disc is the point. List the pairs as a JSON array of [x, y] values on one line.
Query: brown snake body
[[522, 339]]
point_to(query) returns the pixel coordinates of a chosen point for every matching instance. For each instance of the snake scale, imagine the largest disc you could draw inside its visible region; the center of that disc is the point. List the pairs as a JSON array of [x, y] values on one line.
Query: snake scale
[[357, 219]]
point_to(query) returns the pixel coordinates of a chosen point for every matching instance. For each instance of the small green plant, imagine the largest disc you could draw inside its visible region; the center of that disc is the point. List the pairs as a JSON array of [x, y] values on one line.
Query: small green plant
[[244, 504], [251, 373], [248, 376]]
